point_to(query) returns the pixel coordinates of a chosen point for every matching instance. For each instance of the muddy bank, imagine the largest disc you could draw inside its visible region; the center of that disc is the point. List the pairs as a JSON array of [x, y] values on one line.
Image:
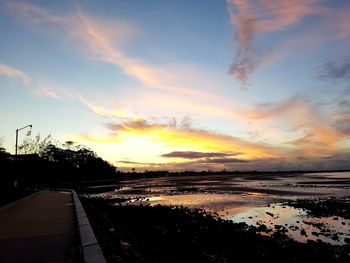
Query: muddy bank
[[325, 207], [303, 220], [175, 234]]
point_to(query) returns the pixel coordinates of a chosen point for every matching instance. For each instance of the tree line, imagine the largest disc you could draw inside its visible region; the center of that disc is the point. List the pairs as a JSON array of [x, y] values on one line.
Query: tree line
[[45, 162]]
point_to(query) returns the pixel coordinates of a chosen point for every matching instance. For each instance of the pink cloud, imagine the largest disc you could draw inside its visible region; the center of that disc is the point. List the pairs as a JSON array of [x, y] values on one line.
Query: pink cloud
[[264, 16], [103, 39], [313, 126], [14, 73]]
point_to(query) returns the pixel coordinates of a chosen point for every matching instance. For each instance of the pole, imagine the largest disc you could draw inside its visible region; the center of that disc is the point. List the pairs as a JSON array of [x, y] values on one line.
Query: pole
[[17, 130], [16, 141]]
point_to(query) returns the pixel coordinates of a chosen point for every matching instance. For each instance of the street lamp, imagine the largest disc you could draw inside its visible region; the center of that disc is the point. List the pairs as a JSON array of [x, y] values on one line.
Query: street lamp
[[17, 130]]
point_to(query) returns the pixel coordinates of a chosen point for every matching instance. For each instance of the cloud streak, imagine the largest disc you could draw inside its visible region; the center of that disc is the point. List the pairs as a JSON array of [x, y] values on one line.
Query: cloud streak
[[196, 155], [335, 70], [251, 18], [103, 39], [43, 88], [338, 161], [14, 73], [317, 132]]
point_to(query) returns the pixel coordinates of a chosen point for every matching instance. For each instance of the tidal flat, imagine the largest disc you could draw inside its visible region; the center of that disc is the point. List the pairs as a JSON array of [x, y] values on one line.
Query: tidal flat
[[220, 218]]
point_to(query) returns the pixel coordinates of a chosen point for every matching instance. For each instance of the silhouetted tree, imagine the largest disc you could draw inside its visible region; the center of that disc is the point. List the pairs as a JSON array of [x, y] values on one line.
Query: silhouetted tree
[[35, 145], [78, 161], [3, 152]]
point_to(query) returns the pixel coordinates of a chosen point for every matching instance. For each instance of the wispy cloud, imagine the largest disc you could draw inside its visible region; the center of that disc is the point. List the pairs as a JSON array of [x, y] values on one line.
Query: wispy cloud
[[104, 39], [342, 118], [197, 155], [43, 88], [313, 126], [251, 18], [338, 161], [14, 73], [206, 157], [335, 70], [222, 160], [38, 86]]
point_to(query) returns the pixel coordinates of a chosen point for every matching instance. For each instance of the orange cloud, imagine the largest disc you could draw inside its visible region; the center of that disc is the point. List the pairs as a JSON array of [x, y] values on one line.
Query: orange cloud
[[316, 129], [175, 136]]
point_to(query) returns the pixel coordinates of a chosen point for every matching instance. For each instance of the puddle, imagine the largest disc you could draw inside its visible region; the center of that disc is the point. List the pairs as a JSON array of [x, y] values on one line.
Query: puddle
[[210, 202], [295, 222]]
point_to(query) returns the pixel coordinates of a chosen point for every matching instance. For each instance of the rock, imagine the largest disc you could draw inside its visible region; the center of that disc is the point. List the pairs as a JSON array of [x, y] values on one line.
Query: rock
[[303, 232], [270, 214], [335, 237], [315, 234]]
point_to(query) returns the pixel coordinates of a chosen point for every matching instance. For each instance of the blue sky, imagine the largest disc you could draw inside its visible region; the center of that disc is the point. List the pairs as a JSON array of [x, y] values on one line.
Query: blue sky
[[265, 83]]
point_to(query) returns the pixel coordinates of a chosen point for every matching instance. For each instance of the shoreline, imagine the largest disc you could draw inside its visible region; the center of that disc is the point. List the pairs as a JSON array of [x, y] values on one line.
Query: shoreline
[[142, 233]]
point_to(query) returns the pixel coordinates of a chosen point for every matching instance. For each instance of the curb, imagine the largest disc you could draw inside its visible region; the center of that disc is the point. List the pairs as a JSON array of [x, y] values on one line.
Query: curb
[[89, 245], [14, 203]]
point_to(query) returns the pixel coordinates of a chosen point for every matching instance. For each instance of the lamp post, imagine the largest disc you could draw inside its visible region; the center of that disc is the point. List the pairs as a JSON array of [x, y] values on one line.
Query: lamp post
[[17, 130]]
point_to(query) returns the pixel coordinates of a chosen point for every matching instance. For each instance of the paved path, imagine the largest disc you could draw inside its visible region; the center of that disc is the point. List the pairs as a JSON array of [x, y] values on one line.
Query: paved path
[[41, 228]]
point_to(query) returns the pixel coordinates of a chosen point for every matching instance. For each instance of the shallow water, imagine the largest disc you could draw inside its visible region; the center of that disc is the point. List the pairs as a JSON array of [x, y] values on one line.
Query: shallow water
[[295, 222], [251, 199]]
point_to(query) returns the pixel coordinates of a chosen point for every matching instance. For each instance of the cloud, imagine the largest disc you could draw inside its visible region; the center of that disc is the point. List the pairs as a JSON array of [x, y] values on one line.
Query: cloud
[[342, 122], [183, 135], [149, 144], [43, 88], [327, 162], [196, 155], [14, 73], [223, 160], [38, 86], [335, 70], [315, 128], [197, 165], [138, 125], [343, 22], [103, 39], [251, 18], [132, 163]]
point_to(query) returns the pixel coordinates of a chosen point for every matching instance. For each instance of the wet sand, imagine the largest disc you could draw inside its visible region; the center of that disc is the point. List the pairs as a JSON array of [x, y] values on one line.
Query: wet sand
[[273, 205], [144, 233]]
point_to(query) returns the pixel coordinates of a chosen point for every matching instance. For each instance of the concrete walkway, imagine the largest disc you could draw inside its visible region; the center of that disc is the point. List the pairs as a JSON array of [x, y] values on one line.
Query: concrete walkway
[[40, 228]]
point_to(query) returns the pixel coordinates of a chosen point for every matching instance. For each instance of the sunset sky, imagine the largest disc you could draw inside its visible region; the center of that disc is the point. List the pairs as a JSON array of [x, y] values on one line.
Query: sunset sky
[[181, 85]]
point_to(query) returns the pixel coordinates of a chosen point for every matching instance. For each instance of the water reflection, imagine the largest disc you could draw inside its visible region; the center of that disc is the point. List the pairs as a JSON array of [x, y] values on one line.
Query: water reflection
[[295, 222], [251, 199]]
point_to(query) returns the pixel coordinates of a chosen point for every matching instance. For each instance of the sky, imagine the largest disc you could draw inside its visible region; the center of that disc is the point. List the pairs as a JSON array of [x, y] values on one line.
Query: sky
[[181, 85]]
